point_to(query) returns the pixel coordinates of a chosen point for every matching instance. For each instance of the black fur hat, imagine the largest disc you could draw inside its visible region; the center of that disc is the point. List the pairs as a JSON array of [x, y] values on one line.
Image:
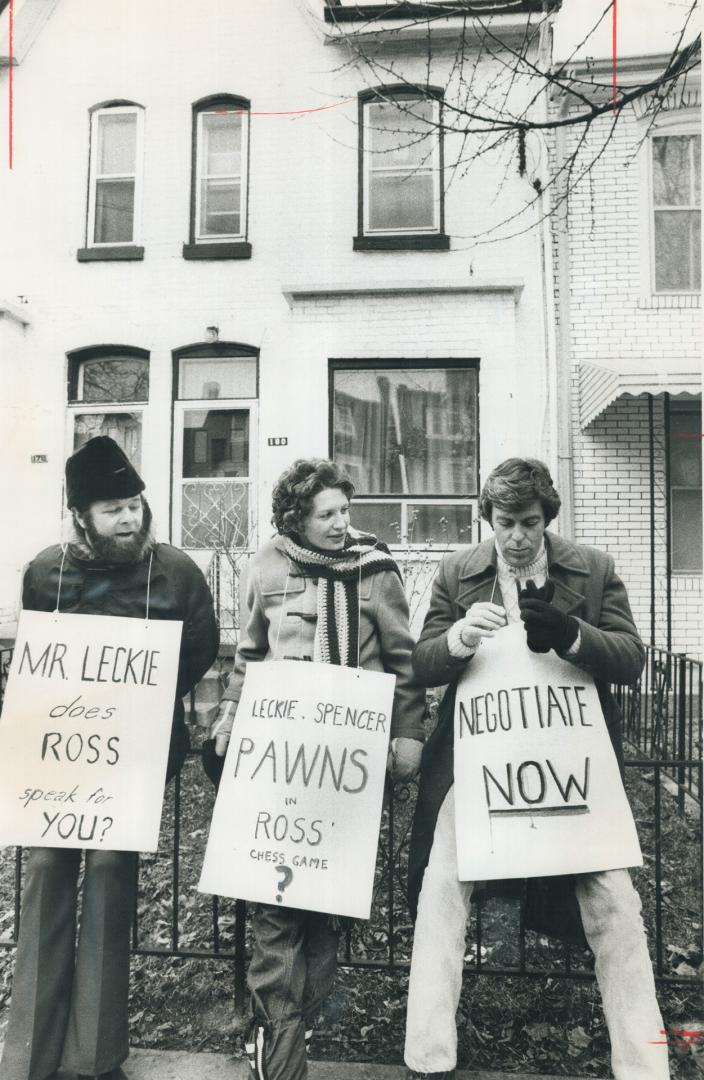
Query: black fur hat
[[100, 469]]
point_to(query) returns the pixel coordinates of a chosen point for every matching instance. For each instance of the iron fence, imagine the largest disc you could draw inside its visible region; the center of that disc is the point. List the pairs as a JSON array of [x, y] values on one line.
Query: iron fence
[[169, 923], [663, 717], [384, 942]]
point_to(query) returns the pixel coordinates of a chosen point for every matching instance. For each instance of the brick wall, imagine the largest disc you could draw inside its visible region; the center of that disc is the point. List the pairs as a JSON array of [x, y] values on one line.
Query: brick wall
[[614, 315]]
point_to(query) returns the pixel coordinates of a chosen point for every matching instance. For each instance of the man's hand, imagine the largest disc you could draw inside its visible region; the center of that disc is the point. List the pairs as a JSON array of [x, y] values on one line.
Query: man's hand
[[546, 627], [404, 758], [221, 727], [482, 620]]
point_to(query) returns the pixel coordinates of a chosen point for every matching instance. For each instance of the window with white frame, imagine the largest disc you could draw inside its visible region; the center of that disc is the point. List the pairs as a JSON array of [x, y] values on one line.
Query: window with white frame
[[108, 388], [686, 486], [407, 433], [676, 211], [114, 192], [215, 413], [401, 163], [219, 203]]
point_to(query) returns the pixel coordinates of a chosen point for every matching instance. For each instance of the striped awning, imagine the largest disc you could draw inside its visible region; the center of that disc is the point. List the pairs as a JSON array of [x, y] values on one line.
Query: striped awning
[[602, 381]]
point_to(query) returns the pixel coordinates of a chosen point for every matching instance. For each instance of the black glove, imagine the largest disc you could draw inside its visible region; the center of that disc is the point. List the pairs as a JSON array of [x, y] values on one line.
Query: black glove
[[213, 764], [546, 627]]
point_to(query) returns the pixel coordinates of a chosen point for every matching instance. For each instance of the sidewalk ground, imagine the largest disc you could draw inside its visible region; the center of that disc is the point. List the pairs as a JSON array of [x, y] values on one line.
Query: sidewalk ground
[[178, 1065]]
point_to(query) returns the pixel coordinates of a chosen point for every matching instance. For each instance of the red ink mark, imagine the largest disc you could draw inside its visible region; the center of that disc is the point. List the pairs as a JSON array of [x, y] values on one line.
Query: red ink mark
[[9, 83], [222, 110], [679, 1037], [613, 48], [688, 434]]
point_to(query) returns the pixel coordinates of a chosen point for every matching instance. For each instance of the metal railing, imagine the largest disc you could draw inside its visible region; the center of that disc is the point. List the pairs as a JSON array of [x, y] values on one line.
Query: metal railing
[[168, 923], [383, 943], [662, 717]]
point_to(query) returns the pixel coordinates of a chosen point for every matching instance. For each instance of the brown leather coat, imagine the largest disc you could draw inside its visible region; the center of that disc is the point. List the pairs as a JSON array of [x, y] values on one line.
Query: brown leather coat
[[587, 587]]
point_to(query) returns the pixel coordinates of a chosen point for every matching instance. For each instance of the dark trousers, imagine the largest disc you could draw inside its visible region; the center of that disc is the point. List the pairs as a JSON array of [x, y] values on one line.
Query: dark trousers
[[69, 1001], [291, 973]]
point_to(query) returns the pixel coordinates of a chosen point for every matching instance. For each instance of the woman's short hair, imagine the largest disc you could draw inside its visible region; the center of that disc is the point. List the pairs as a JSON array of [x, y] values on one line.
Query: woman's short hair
[[517, 482], [296, 488]]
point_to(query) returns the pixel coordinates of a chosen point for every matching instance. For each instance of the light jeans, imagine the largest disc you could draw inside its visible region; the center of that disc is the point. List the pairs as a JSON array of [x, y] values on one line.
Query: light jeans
[[610, 909]]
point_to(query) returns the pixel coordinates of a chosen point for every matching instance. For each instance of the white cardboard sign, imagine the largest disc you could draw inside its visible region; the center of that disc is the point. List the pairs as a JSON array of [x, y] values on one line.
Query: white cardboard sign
[[537, 785], [85, 730], [296, 820]]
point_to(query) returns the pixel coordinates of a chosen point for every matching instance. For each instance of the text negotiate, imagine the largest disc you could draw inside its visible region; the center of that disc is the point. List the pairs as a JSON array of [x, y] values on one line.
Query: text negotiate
[[537, 784], [303, 769], [85, 731]]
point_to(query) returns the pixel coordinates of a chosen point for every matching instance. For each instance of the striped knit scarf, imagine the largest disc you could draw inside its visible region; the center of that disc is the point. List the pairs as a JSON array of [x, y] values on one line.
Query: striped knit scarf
[[339, 574]]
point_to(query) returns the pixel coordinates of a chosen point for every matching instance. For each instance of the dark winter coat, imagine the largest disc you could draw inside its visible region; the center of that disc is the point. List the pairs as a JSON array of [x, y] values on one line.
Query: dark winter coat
[[177, 590], [587, 587]]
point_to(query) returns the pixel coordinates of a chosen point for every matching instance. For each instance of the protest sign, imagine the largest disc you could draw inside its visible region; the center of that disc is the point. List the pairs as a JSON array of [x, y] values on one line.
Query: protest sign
[[537, 784], [85, 730], [297, 816]]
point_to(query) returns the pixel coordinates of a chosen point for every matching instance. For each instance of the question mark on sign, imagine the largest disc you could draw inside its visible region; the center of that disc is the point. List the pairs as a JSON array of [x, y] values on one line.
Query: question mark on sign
[[108, 823], [286, 880]]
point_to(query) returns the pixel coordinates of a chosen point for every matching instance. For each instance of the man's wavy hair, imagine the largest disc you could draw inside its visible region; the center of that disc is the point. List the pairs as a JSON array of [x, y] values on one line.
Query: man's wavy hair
[[517, 482], [296, 488]]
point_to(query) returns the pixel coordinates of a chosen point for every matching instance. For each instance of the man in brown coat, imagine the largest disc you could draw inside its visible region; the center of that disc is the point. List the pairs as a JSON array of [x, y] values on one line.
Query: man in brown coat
[[570, 600]]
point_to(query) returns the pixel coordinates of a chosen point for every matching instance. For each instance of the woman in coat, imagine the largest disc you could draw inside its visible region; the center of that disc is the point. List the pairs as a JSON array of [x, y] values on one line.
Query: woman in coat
[[317, 591]]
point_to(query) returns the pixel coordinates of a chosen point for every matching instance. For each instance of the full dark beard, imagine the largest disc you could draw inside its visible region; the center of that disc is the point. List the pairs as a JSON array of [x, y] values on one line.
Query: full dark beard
[[114, 549]]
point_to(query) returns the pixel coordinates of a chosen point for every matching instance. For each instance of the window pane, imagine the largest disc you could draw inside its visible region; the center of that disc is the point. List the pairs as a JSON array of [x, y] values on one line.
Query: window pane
[[409, 430], [687, 530], [401, 202], [401, 133], [426, 524], [224, 377], [382, 520], [222, 134], [215, 515], [124, 428], [433, 524], [117, 134], [677, 250], [697, 179], [216, 442], [220, 208], [672, 172], [115, 378], [686, 449], [114, 211]]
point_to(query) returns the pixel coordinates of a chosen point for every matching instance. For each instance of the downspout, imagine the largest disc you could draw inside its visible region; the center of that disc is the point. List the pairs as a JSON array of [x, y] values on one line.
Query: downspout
[[560, 345], [563, 388], [548, 426]]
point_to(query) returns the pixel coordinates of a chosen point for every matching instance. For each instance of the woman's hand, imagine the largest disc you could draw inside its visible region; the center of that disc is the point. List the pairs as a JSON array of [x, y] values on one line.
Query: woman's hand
[[221, 727], [482, 620], [404, 758]]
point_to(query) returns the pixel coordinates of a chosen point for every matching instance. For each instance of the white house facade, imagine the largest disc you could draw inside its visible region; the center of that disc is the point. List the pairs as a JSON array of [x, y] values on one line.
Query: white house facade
[[227, 248]]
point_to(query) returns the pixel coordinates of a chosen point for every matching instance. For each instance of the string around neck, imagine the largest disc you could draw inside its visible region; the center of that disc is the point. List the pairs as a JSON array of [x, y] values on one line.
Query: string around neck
[[64, 549], [359, 614], [149, 582], [283, 608]]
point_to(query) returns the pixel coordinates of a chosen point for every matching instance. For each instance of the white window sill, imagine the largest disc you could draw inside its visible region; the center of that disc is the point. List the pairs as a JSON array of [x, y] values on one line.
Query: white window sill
[[669, 300]]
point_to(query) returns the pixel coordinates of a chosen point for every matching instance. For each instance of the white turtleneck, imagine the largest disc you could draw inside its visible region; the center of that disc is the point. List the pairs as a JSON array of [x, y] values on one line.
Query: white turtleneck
[[509, 579]]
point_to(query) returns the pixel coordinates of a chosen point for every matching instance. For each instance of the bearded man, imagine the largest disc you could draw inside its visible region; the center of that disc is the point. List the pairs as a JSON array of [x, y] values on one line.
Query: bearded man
[[69, 1000]]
